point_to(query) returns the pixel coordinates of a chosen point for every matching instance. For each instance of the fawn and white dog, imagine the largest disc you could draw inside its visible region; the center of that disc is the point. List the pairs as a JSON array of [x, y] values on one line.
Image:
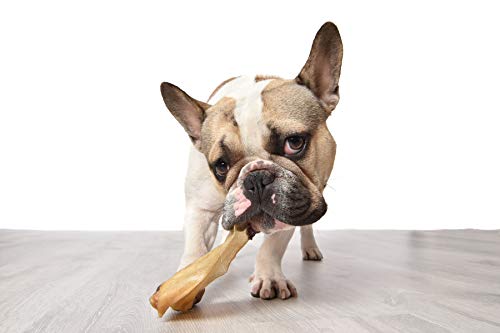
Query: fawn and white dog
[[261, 156]]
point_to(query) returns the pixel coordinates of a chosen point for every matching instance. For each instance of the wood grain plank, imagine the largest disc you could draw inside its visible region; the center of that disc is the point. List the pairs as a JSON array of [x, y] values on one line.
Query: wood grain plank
[[369, 281]]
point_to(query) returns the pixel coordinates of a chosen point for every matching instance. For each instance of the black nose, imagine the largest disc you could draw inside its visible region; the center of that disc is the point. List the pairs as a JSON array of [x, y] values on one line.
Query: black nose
[[257, 180]]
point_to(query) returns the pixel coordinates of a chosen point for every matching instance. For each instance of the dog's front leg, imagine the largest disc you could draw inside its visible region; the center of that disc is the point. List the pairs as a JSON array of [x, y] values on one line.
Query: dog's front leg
[[200, 230], [268, 280]]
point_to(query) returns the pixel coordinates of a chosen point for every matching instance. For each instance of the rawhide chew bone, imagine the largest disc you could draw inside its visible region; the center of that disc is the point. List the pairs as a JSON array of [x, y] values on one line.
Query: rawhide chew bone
[[181, 290]]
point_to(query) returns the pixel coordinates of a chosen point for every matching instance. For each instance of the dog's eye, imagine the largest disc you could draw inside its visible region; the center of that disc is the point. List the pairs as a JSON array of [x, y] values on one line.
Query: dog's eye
[[221, 168], [294, 145]]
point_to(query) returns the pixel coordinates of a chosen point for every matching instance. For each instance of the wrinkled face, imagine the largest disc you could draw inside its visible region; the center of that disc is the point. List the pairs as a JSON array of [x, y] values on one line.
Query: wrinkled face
[[269, 150]]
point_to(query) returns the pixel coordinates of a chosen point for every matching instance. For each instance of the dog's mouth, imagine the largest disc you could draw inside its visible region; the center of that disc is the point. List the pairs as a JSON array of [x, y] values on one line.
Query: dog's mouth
[[251, 226], [261, 223], [251, 232]]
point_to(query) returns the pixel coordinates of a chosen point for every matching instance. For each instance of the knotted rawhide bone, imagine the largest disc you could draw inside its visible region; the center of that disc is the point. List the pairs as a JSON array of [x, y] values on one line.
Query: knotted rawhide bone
[[186, 287]]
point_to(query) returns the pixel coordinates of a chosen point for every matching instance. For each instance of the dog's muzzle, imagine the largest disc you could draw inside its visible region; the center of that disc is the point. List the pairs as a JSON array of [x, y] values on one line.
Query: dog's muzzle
[[279, 197]]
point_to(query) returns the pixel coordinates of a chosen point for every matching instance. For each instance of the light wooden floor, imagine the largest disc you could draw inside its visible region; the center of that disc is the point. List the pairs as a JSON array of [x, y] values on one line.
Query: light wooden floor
[[369, 281]]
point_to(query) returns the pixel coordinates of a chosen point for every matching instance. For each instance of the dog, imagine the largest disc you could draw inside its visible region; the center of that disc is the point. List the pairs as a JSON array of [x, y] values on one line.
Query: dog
[[261, 157]]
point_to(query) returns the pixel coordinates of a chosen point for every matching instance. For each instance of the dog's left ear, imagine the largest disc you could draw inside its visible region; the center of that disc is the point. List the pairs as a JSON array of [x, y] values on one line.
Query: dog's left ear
[[189, 112], [322, 70]]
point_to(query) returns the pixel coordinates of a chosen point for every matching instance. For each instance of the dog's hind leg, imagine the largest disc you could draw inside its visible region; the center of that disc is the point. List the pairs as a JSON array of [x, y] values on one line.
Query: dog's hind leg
[[310, 250]]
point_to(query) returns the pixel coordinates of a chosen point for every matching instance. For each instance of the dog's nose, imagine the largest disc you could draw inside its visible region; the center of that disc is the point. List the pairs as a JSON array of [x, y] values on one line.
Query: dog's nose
[[257, 180]]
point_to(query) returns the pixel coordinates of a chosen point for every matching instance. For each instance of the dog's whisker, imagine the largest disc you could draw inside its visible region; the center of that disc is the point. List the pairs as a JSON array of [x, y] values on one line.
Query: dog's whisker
[[330, 186]]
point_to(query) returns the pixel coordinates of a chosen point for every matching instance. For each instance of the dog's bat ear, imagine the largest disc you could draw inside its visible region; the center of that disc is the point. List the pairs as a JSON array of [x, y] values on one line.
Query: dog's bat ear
[[189, 112], [322, 70]]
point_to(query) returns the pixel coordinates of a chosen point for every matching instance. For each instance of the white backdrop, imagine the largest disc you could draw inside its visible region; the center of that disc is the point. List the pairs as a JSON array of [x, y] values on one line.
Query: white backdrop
[[87, 143]]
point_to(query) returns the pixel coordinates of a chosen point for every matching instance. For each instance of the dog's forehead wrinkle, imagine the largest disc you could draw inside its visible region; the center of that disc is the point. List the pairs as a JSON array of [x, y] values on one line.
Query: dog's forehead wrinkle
[[247, 92]]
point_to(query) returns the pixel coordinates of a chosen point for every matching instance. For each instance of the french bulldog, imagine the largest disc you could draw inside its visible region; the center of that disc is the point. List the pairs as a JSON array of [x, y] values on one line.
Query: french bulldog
[[261, 157]]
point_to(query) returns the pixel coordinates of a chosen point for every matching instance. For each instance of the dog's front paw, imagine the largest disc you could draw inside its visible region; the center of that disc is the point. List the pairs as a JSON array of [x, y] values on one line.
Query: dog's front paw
[[311, 253], [269, 286]]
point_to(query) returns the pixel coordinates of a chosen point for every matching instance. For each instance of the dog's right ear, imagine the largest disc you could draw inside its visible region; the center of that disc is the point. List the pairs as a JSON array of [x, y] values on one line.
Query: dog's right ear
[[189, 112]]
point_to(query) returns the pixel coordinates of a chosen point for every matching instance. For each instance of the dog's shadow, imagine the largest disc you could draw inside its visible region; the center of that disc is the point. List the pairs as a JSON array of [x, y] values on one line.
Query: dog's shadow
[[208, 311]]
